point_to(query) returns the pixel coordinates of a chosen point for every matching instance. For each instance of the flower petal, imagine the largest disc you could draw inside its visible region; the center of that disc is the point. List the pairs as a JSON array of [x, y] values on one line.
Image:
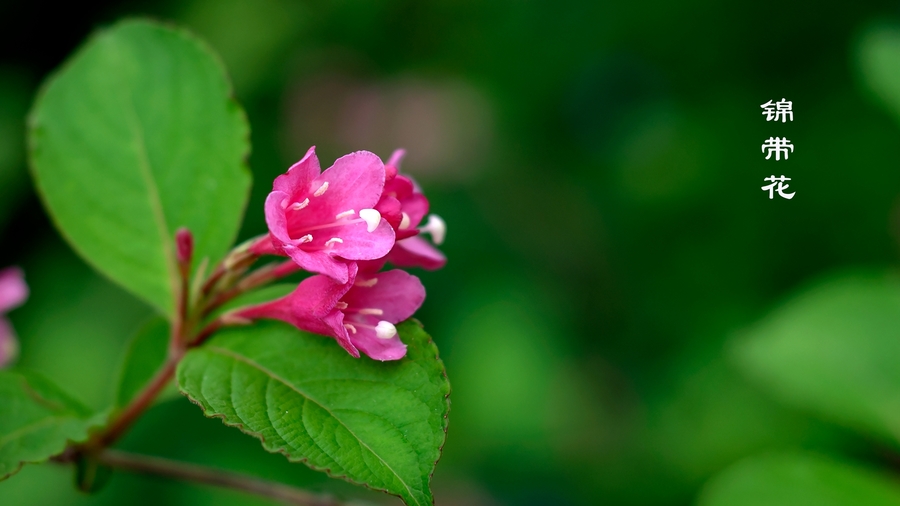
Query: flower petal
[[397, 293], [319, 262], [360, 244], [276, 220], [416, 252], [355, 181], [299, 175], [378, 349], [13, 290]]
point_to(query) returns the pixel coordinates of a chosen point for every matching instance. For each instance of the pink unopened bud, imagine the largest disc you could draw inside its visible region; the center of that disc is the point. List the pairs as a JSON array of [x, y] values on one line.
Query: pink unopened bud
[[184, 245]]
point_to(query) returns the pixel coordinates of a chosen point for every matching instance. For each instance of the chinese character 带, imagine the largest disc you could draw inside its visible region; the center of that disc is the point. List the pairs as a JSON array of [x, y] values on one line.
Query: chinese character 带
[[782, 109], [778, 186], [778, 146]]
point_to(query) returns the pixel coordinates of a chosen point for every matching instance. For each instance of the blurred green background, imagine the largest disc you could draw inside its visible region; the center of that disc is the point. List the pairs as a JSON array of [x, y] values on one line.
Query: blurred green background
[[599, 168]]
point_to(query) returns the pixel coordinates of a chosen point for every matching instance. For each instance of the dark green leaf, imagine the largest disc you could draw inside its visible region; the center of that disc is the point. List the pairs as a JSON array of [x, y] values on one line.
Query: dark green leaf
[[381, 424], [136, 136], [37, 420], [834, 349], [799, 480], [145, 355]]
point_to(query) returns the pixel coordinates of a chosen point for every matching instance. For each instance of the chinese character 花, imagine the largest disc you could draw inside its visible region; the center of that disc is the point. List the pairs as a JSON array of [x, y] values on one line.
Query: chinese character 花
[[778, 186]]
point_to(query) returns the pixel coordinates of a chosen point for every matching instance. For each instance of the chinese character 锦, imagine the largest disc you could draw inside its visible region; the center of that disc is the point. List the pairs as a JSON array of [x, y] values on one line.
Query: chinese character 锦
[[782, 109], [778, 186], [777, 146]]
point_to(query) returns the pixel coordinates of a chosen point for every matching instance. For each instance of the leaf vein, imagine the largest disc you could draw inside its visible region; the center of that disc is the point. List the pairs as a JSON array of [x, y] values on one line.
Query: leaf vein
[[275, 377]]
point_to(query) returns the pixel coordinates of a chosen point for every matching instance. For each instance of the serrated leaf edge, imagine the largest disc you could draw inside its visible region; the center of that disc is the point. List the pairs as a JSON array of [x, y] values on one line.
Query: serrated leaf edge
[[305, 461]]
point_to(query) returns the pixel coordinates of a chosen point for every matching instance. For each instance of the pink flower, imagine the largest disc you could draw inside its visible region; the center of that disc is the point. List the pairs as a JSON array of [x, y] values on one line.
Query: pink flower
[[321, 220], [360, 314], [13, 292], [404, 206]]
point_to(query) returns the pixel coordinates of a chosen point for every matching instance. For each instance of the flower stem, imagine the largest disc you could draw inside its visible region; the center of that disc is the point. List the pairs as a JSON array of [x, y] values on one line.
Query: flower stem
[[264, 275], [136, 407], [210, 476]]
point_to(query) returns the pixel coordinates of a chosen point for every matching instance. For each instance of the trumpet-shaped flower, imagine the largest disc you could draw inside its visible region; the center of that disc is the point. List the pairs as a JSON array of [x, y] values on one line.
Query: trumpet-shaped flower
[[360, 314], [13, 292], [321, 219], [404, 206]]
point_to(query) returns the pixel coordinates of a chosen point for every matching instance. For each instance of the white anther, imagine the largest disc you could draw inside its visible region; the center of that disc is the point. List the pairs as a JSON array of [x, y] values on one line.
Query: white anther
[[349, 212], [333, 240], [321, 190], [371, 310], [385, 330], [366, 283], [304, 239], [404, 223], [436, 227], [341, 305], [351, 328], [371, 217], [296, 206]]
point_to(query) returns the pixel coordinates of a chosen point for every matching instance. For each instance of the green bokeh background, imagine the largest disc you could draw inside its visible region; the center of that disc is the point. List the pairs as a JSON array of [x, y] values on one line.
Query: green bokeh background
[[599, 168]]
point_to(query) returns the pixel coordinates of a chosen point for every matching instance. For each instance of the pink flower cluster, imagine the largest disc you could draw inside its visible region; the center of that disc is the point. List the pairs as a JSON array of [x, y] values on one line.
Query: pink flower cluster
[[13, 292], [344, 225]]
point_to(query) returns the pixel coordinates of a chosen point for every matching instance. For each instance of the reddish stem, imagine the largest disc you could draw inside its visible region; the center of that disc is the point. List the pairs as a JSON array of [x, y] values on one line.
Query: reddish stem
[[137, 406]]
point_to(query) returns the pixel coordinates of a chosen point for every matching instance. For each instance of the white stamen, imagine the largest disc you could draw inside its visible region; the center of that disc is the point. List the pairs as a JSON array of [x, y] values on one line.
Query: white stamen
[[371, 310], [371, 217], [284, 204], [333, 240], [304, 239], [321, 190], [296, 206], [404, 223], [341, 305], [436, 227], [385, 330], [349, 212], [366, 283], [351, 328]]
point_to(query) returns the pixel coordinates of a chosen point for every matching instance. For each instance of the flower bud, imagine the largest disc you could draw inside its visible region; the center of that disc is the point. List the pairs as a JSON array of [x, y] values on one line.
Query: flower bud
[[184, 245]]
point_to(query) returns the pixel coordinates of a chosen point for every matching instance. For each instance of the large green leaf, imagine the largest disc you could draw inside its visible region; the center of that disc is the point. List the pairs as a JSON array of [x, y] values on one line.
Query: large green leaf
[[879, 62], [834, 349], [146, 353], [37, 420], [799, 480], [136, 136], [381, 424]]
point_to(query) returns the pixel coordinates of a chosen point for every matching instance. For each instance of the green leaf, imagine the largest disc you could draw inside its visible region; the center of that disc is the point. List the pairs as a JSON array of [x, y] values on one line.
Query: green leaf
[[834, 349], [145, 355], [879, 62], [798, 480], [37, 420], [380, 424], [136, 136]]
